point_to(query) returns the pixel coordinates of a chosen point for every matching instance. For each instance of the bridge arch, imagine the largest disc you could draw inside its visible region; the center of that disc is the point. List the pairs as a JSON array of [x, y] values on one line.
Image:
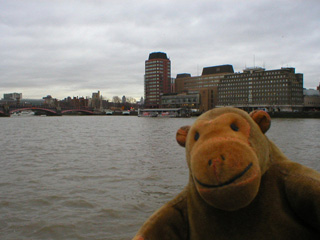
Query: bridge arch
[[77, 110], [34, 109]]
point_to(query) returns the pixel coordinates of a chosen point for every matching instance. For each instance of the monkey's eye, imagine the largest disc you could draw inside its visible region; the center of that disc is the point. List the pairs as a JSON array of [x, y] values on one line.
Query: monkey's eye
[[234, 127], [196, 136]]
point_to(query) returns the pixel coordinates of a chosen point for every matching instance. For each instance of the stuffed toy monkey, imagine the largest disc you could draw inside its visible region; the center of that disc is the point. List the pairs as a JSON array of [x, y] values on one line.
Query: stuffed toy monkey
[[241, 186]]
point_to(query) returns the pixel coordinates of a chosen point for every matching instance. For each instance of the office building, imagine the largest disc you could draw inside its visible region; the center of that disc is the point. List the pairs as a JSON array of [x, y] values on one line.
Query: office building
[[189, 100], [157, 79], [12, 96], [311, 100], [205, 85], [273, 90]]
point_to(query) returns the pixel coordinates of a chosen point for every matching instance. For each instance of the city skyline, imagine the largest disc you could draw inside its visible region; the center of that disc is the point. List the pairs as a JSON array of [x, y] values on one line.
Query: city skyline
[[74, 48]]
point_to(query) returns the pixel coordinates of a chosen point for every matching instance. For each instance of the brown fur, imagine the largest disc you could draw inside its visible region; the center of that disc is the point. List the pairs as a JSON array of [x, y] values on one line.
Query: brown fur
[[241, 186]]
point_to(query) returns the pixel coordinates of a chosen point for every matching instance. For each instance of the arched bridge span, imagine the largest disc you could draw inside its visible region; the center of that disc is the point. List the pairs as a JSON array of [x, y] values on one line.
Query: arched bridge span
[[7, 111], [34, 109], [77, 110]]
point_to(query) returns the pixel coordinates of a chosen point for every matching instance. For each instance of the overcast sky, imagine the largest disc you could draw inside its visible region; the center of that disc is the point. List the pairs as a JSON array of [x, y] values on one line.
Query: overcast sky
[[73, 48]]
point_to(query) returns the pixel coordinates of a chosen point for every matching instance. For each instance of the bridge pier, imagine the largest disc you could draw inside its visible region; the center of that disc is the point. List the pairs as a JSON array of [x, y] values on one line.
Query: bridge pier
[[6, 111], [58, 111]]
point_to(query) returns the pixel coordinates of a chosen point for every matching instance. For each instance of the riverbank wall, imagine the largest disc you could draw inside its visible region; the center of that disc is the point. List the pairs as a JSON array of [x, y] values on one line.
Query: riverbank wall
[[294, 114]]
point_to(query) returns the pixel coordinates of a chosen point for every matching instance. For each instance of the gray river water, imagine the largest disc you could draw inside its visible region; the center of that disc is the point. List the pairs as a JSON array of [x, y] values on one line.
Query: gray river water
[[100, 177]]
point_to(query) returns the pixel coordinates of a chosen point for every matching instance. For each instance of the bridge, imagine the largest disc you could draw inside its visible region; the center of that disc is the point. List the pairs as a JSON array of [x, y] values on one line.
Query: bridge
[[7, 111]]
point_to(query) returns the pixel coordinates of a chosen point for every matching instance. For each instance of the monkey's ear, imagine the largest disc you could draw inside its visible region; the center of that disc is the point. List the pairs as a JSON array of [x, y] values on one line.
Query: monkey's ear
[[181, 135], [262, 118]]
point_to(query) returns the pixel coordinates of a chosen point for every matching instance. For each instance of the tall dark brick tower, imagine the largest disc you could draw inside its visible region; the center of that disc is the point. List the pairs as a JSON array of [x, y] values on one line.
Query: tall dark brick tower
[[157, 79]]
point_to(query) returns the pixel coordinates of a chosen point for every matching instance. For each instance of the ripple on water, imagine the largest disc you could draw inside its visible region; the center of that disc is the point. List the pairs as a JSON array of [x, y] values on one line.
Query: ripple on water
[[55, 231], [78, 203], [101, 178]]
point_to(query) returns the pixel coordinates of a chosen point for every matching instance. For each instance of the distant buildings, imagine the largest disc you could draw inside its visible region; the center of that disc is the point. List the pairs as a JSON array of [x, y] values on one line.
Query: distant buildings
[[75, 102], [157, 79], [124, 99], [96, 101], [16, 99], [186, 100], [12, 96], [205, 85], [219, 86], [50, 101], [274, 90], [311, 99]]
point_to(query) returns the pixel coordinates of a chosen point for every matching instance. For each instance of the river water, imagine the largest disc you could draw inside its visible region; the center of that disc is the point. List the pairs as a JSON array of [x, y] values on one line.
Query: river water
[[100, 177]]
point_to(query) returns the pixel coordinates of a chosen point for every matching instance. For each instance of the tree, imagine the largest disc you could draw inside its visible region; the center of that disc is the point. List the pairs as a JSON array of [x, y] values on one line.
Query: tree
[[131, 100], [116, 99]]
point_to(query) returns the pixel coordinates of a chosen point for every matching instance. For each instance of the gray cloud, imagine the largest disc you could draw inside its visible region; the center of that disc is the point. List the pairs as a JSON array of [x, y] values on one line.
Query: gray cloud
[[73, 48]]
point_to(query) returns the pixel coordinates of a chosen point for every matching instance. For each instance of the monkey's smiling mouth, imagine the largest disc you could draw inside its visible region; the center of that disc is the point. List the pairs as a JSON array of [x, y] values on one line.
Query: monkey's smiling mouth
[[227, 182]]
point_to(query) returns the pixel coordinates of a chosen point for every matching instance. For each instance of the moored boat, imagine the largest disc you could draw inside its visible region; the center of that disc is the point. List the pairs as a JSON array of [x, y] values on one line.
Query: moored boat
[[164, 112]]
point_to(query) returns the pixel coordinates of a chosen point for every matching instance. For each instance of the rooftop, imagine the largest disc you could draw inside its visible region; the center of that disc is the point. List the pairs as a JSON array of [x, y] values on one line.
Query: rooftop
[[311, 92], [218, 69], [158, 55]]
